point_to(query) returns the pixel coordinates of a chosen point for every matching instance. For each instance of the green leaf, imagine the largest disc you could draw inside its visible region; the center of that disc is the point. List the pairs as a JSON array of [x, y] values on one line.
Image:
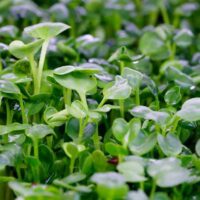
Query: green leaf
[[119, 89], [120, 54], [21, 50], [78, 110], [106, 108], [183, 38], [77, 81], [132, 171], [10, 155], [110, 184], [120, 128], [99, 161], [69, 69], [197, 147], [173, 96], [150, 84], [137, 195], [54, 118], [8, 87], [142, 144], [146, 113], [71, 179], [70, 149], [190, 110], [115, 149], [152, 45], [46, 30], [39, 131], [170, 145], [180, 78], [134, 77], [6, 129], [168, 172]]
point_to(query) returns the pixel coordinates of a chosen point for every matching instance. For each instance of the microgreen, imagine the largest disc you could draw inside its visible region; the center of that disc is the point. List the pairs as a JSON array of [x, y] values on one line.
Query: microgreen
[[106, 110]]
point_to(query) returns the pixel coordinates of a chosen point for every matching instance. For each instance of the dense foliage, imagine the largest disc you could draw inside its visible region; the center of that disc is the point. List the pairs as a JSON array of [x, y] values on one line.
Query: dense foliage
[[99, 100]]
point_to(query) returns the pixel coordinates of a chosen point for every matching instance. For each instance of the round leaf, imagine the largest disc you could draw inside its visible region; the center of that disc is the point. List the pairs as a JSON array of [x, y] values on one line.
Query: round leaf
[[39, 131], [120, 128], [46, 30], [190, 110], [142, 144], [170, 145], [132, 171], [21, 50], [173, 96], [117, 90]]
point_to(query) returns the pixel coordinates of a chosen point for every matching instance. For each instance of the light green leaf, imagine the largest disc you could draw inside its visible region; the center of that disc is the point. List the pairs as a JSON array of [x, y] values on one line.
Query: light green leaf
[[78, 110], [77, 81], [190, 110], [119, 89], [184, 38], [46, 30], [39, 131], [69, 69], [168, 172], [170, 145], [132, 171], [9, 87], [180, 78], [151, 44], [5, 129], [21, 50], [146, 113], [134, 77], [137, 195], [142, 144], [173, 96], [120, 128]]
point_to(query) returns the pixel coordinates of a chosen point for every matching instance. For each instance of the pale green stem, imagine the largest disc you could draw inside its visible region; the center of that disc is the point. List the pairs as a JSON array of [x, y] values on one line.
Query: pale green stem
[[142, 185], [173, 51], [121, 101], [176, 21], [175, 124], [121, 105], [81, 130], [153, 189], [34, 72], [157, 103], [71, 166], [49, 140], [18, 170], [164, 14], [24, 118], [102, 102], [41, 64], [36, 148], [96, 137], [137, 96], [83, 99], [153, 17], [67, 94]]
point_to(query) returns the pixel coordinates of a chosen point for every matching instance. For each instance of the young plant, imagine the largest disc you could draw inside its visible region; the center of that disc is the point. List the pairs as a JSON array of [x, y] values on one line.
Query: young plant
[[45, 31]]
